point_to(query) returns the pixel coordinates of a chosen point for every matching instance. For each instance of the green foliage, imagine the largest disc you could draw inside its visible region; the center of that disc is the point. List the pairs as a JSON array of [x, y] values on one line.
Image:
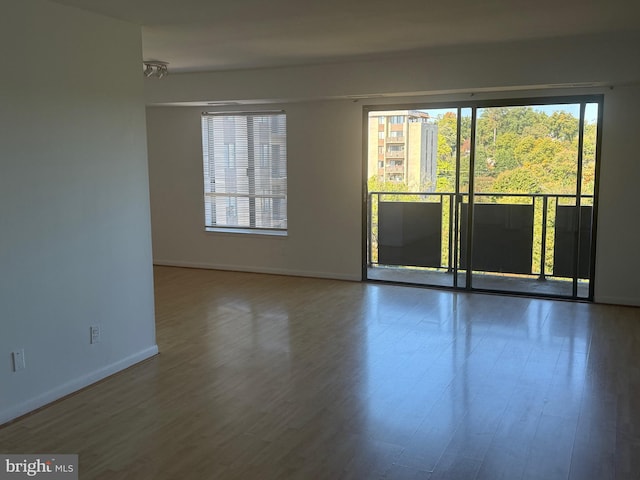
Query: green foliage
[[520, 180], [505, 158], [563, 126], [376, 185], [444, 149], [447, 127], [518, 150]]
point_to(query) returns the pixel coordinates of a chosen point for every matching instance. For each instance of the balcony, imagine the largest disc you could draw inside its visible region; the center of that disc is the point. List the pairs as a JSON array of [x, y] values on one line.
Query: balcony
[[524, 243], [395, 140], [394, 169], [395, 154], [394, 177]]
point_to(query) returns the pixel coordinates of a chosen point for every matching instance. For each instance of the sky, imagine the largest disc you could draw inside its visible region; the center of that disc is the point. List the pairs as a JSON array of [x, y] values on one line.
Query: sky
[[590, 114]]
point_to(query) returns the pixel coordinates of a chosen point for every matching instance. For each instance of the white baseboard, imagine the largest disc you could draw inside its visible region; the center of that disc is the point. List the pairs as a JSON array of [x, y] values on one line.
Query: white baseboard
[[273, 271], [631, 302], [75, 385], [634, 302]]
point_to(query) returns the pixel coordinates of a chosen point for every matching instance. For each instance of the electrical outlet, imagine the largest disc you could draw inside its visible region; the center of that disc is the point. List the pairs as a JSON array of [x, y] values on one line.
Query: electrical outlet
[[18, 360], [95, 334]]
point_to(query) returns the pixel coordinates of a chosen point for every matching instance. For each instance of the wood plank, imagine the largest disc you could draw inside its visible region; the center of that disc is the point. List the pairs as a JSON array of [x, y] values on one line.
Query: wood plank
[[272, 377]]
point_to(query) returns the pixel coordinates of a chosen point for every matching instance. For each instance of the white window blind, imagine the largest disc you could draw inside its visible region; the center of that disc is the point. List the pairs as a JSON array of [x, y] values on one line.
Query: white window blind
[[245, 170]]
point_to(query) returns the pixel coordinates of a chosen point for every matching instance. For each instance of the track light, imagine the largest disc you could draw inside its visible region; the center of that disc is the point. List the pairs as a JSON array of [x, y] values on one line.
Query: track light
[[157, 68], [161, 71]]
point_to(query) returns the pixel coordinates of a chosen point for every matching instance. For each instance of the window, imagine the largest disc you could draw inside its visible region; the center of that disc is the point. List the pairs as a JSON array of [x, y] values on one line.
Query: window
[[232, 209], [245, 171], [229, 155], [264, 154]]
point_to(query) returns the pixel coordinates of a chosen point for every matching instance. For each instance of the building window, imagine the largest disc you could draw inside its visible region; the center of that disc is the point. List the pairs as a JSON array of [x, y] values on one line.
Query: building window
[[264, 154], [230, 155], [232, 210], [396, 119], [245, 172]]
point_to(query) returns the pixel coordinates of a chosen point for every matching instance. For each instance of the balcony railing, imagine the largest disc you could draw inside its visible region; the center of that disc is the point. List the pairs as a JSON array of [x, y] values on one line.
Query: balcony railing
[[395, 154], [527, 234]]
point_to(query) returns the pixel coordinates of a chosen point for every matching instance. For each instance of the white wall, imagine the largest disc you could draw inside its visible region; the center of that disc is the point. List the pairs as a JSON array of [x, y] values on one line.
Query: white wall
[[618, 243], [323, 204], [74, 212], [325, 148]]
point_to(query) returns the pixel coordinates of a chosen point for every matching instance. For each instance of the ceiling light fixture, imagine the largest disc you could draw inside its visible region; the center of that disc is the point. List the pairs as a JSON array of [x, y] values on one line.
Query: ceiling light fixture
[[154, 67], [162, 71]]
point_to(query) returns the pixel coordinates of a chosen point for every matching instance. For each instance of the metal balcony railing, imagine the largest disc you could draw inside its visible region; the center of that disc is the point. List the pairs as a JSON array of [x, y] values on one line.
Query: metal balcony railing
[[533, 234]]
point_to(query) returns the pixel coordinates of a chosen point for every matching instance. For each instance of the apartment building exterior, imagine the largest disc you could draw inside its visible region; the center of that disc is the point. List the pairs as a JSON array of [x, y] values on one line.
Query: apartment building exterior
[[245, 171], [403, 148]]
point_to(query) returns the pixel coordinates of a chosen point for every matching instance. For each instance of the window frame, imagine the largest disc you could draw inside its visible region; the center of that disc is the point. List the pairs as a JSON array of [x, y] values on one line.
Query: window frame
[[250, 146]]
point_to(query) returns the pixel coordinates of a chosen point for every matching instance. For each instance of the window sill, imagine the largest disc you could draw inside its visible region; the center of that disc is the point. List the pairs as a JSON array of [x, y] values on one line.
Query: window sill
[[248, 231]]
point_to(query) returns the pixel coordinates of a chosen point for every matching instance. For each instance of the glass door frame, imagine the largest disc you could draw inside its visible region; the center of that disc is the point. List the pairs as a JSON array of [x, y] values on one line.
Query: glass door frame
[[474, 105]]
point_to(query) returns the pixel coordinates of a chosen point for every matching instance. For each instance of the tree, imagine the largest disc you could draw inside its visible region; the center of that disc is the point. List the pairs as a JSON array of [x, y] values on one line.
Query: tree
[[563, 126], [519, 180], [447, 128], [505, 158]]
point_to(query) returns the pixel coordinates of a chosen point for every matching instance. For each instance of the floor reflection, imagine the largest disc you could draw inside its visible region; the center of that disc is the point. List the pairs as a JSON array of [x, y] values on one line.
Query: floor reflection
[[272, 377], [445, 369]]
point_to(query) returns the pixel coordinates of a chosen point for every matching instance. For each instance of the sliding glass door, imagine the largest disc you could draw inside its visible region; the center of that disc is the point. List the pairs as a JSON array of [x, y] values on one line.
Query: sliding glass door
[[487, 196]]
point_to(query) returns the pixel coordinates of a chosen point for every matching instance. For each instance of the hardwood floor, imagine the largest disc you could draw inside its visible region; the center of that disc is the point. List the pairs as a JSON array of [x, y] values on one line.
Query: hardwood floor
[[269, 377]]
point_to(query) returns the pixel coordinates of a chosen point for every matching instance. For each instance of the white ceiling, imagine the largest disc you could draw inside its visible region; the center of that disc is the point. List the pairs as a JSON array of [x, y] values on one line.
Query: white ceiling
[[196, 35]]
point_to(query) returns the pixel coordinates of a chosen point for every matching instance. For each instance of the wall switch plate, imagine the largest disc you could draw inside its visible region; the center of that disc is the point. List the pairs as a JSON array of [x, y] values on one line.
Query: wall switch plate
[[95, 334], [18, 360]]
